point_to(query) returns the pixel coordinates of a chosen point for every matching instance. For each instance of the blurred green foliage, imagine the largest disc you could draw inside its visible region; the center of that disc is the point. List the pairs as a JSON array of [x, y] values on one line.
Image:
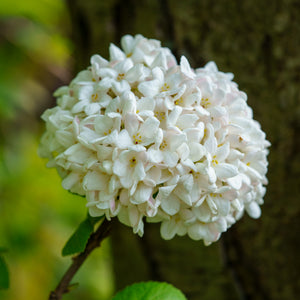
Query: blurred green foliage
[[4, 274], [36, 215], [32, 46]]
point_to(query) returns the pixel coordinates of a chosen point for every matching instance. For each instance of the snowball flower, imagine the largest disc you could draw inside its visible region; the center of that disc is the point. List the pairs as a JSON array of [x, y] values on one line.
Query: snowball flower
[[145, 139]]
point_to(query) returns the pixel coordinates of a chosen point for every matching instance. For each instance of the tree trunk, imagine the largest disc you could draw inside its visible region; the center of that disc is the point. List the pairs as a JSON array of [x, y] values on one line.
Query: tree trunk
[[259, 42]]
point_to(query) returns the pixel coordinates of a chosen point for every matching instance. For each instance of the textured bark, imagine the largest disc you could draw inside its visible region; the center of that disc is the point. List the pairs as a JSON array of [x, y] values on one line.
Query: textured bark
[[259, 42]]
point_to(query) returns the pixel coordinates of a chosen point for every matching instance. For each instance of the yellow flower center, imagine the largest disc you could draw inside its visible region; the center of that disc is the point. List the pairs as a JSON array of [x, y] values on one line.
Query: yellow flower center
[[121, 76], [163, 145], [215, 195], [179, 101], [132, 162], [205, 102], [94, 97], [137, 138], [108, 132], [214, 161], [160, 115], [195, 174], [111, 93], [165, 87]]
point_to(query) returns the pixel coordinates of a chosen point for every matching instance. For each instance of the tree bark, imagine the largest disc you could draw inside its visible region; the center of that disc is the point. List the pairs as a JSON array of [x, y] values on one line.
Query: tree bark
[[259, 42]]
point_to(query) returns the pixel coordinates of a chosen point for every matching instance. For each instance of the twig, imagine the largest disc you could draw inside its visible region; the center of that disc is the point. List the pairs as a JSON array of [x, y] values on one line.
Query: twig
[[94, 241]]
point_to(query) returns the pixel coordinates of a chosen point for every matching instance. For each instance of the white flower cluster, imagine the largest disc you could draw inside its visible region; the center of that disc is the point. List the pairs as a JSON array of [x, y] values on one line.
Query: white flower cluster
[[144, 138]]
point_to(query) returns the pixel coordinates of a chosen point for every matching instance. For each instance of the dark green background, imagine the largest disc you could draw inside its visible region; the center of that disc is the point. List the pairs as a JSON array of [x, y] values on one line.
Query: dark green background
[[43, 44]]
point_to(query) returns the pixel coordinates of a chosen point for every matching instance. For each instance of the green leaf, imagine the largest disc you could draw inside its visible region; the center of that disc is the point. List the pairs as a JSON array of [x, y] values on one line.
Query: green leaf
[[150, 291], [80, 237], [4, 276]]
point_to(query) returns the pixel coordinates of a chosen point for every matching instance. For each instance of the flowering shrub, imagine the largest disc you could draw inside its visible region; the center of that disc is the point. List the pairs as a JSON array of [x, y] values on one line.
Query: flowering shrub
[[146, 139]]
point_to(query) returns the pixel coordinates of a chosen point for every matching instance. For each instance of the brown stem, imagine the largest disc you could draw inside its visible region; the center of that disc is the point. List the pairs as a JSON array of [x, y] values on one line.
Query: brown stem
[[94, 241]]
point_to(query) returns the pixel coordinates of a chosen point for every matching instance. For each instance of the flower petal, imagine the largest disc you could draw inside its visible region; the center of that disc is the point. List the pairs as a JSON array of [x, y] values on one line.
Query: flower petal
[[127, 43], [71, 180], [124, 140], [99, 60], [149, 88], [253, 210], [185, 68], [115, 53], [142, 194], [202, 212], [171, 205], [139, 172], [95, 181], [224, 171], [170, 158], [168, 229]]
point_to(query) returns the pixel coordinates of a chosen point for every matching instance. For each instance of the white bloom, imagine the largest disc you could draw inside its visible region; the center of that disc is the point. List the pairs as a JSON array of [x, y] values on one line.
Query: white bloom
[[147, 139], [130, 167]]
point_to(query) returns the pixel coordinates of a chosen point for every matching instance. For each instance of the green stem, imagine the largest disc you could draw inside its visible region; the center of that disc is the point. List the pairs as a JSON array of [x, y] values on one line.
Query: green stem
[[94, 242]]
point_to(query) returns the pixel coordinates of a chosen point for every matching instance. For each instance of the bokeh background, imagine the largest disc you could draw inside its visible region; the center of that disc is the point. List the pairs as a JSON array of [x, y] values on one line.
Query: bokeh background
[[44, 43], [36, 215]]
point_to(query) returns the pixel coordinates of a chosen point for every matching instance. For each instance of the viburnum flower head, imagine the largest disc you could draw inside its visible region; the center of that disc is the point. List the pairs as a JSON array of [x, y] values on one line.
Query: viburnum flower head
[[146, 139]]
